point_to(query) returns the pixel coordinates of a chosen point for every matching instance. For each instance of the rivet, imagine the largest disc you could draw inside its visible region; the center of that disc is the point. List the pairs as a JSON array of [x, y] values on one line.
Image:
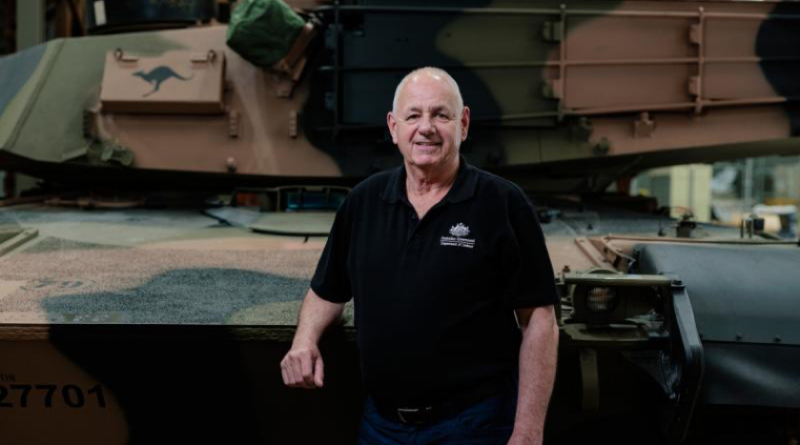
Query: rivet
[[230, 164], [777, 339], [738, 336]]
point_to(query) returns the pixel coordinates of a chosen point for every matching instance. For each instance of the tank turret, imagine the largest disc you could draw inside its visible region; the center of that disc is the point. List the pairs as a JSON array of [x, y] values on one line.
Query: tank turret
[[566, 95]]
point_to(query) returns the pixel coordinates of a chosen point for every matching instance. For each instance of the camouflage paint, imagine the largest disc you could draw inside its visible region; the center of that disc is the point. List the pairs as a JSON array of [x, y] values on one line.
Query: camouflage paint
[[507, 69], [56, 113], [17, 69], [369, 44], [204, 380], [17, 97], [108, 304], [781, 38], [216, 376]]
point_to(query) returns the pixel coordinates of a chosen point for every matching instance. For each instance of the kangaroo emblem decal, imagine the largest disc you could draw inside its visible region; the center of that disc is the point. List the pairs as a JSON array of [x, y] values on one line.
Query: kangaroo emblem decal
[[158, 75]]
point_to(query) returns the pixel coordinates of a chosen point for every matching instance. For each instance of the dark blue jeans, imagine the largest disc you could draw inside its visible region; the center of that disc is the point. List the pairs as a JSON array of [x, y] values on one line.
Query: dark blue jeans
[[488, 422]]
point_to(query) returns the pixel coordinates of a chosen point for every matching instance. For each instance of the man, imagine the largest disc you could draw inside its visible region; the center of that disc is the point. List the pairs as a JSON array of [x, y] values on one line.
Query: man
[[439, 257]]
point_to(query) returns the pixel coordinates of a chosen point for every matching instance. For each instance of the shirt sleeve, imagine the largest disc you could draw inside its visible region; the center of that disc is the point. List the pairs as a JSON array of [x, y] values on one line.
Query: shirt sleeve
[[331, 280], [531, 280]]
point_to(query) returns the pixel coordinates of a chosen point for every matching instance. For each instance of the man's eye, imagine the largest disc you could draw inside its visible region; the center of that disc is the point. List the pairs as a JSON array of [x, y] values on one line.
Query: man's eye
[[443, 116], [412, 117]]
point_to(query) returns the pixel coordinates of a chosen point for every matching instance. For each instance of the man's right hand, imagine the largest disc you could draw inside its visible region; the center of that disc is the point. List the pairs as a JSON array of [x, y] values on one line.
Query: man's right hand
[[302, 367]]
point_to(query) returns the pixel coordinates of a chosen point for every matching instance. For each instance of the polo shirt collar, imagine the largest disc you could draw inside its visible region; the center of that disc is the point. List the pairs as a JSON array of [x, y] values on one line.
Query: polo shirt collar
[[463, 188]]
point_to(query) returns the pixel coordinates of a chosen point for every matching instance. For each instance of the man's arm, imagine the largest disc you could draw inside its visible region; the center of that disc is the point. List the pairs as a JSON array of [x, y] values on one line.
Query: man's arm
[[537, 369], [302, 366]]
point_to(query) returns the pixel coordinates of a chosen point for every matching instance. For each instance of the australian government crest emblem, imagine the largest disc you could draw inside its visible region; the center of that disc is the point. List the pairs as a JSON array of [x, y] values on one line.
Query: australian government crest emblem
[[458, 237]]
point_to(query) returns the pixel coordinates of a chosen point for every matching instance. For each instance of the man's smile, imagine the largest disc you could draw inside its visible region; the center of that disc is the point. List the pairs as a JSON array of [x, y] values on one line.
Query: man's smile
[[427, 144]]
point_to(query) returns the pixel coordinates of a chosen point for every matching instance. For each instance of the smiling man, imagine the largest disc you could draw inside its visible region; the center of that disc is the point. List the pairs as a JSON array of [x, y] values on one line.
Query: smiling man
[[452, 285]]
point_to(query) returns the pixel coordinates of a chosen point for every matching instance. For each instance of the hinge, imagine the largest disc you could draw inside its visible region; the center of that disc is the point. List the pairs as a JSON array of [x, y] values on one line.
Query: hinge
[[552, 31], [581, 130], [602, 148], [293, 124], [694, 85], [120, 55], [203, 57], [644, 127], [551, 89], [233, 124], [696, 34]]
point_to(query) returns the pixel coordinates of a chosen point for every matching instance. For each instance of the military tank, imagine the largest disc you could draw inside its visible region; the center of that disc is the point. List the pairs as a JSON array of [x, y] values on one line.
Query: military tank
[[128, 315]]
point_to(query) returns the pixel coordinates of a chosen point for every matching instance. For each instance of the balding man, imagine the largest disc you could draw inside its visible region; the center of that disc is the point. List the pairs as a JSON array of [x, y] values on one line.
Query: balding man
[[452, 285]]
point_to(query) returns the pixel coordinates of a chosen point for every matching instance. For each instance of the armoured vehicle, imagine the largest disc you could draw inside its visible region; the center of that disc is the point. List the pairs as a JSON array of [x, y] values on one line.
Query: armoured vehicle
[[129, 314]]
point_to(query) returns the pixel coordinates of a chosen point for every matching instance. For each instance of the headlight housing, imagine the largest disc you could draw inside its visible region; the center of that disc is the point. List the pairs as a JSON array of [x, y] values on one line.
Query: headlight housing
[[613, 298], [601, 299]]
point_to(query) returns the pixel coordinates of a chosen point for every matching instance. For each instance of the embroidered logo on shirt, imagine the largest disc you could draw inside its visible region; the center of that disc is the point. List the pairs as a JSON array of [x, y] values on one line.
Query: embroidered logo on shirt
[[458, 232]]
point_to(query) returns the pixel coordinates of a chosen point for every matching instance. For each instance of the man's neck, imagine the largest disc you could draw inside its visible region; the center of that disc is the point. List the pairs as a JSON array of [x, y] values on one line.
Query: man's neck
[[422, 182]]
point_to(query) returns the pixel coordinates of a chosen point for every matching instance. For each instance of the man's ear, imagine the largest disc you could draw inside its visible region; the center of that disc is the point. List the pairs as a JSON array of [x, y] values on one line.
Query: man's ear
[[464, 123], [392, 124]]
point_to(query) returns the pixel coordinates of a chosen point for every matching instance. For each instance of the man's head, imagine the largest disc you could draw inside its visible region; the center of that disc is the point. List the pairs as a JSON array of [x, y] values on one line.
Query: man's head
[[428, 120]]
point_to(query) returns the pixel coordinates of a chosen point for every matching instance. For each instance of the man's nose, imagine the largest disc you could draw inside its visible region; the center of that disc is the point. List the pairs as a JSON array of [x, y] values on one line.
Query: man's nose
[[426, 126]]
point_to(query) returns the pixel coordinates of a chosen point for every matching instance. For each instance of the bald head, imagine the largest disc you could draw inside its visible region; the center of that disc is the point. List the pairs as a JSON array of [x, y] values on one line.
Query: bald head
[[426, 73]]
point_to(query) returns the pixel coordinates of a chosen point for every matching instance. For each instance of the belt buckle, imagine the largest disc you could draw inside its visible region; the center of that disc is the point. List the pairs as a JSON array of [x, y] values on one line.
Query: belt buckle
[[407, 415]]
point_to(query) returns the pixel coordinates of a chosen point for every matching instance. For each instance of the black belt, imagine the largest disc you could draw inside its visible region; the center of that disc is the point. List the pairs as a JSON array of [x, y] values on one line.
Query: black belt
[[421, 415]]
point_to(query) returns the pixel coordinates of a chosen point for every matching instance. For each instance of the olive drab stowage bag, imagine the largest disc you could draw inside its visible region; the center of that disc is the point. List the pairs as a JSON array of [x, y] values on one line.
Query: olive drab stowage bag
[[262, 31]]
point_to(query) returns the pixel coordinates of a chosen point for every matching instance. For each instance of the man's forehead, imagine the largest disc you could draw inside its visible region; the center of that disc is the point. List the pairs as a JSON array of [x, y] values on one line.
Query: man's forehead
[[427, 91]]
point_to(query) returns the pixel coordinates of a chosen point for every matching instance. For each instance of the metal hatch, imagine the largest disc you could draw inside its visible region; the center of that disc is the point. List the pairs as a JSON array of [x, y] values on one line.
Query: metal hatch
[[175, 82]]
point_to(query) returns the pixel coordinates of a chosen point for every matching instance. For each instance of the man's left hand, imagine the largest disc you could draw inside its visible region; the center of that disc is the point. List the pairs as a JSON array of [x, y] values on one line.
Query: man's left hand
[[537, 368]]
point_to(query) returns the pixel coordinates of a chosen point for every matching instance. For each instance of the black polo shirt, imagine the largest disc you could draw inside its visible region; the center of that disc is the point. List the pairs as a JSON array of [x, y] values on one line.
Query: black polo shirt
[[434, 298]]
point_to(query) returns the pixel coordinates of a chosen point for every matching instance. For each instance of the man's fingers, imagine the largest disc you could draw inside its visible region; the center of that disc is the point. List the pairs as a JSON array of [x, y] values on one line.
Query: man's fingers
[[284, 374], [319, 372], [306, 367], [303, 369], [296, 373], [286, 370]]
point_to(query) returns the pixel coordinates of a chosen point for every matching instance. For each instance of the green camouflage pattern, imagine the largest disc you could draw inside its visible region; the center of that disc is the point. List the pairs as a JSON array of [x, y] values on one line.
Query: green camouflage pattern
[[148, 320]]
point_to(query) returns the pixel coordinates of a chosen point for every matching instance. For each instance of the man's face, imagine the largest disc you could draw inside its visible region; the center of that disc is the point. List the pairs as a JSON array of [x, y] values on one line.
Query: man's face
[[427, 126]]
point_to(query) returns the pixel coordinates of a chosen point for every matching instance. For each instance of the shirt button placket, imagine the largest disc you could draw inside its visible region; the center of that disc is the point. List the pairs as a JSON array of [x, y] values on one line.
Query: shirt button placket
[[413, 240]]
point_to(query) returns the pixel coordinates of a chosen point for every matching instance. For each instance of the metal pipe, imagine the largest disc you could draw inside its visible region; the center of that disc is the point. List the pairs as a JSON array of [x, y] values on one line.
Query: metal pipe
[[747, 185], [683, 105], [336, 72], [701, 47], [562, 59], [610, 110], [692, 240], [551, 63], [548, 11]]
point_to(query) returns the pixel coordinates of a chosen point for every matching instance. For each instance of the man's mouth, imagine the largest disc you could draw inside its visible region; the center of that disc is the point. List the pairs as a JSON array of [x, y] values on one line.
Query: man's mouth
[[428, 144]]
